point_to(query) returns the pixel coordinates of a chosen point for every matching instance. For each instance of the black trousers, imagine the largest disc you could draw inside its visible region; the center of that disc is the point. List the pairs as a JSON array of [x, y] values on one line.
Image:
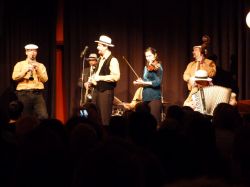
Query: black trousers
[[104, 103], [155, 109], [34, 103]]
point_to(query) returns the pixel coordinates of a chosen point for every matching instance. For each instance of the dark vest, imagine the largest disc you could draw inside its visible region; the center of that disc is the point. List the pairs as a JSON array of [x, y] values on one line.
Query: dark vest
[[103, 85]]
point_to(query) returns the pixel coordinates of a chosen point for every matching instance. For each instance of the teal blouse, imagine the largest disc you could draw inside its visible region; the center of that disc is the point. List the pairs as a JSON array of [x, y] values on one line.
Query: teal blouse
[[152, 92]]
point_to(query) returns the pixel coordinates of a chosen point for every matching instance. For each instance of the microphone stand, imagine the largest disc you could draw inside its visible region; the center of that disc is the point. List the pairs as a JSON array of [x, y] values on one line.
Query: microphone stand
[[163, 115], [82, 83]]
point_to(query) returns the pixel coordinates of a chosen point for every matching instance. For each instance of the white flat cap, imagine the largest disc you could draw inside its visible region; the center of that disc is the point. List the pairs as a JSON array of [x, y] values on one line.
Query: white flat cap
[[201, 75], [31, 46]]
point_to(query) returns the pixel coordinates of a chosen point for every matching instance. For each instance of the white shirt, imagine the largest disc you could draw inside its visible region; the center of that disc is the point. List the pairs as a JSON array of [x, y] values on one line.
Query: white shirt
[[114, 69]]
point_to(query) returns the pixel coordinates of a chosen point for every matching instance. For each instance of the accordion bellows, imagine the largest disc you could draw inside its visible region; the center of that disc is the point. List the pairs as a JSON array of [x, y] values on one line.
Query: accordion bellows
[[207, 98]]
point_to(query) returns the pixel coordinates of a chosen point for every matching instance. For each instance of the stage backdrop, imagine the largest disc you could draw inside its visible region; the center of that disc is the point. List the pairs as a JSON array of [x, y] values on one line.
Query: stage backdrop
[[171, 29]]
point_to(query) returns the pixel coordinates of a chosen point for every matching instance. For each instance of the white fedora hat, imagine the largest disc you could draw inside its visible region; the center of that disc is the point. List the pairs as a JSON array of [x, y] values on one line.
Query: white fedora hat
[[30, 46], [201, 75], [105, 40]]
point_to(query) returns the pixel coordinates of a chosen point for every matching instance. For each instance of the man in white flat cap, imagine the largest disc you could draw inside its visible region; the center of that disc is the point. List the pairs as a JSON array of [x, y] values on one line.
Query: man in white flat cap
[[30, 76], [201, 80], [105, 78]]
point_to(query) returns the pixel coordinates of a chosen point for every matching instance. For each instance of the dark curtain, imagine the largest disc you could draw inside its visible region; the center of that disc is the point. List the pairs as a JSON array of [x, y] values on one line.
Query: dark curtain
[[24, 22], [173, 28]]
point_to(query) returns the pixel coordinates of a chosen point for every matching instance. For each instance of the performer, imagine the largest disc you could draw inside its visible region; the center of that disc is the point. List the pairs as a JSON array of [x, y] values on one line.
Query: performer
[[88, 73], [200, 62], [30, 76], [130, 106], [151, 83], [201, 80], [136, 99], [105, 78]]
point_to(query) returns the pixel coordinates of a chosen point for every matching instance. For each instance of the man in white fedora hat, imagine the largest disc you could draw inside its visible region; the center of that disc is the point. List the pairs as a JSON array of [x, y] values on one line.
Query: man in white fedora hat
[[30, 76], [105, 78]]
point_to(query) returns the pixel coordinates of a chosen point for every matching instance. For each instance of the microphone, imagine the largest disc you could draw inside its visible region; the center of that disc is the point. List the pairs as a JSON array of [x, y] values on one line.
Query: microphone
[[84, 51]]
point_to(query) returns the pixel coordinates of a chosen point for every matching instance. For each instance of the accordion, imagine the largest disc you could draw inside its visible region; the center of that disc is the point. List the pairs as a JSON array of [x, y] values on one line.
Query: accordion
[[207, 98]]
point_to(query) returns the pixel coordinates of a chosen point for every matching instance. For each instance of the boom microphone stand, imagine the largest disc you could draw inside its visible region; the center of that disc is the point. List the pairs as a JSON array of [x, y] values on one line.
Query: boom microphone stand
[[82, 77]]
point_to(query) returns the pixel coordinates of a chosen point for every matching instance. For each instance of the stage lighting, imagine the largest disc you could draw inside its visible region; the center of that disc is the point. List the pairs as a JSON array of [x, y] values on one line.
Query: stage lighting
[[248, 19]]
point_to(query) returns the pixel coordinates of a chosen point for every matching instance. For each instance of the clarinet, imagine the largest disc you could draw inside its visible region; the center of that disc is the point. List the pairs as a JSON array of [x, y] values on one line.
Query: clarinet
[[31, 78]]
